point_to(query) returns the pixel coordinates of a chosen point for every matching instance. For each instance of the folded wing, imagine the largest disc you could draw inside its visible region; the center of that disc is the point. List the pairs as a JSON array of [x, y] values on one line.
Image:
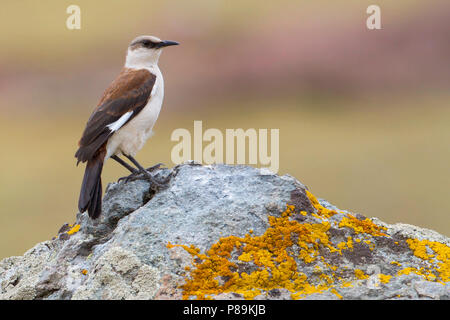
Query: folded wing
[[121, 102]]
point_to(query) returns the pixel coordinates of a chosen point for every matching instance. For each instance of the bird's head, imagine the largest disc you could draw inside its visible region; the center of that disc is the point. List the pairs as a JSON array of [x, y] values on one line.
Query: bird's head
[[144, 51]]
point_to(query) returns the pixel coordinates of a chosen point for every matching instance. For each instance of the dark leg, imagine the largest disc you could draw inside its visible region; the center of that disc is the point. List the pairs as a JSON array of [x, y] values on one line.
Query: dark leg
[[145, 172], [156, 166], [126, 165], [137, 164]]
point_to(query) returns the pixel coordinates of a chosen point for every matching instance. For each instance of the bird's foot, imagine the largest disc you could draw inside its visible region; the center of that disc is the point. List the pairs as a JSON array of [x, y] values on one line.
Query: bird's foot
[[138, 175], [156, 166], [156, 184], [132, 177]]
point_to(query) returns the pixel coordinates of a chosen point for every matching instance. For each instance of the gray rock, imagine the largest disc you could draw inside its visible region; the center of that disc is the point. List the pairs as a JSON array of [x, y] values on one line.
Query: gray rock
[[230, 217], [431, 290]]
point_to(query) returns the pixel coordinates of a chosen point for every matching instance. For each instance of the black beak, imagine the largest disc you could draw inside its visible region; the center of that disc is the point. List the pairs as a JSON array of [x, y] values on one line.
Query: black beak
[[166, 43]]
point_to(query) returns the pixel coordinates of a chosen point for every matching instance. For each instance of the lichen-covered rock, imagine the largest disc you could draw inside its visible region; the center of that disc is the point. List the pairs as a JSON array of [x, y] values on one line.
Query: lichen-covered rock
[[229, 232]]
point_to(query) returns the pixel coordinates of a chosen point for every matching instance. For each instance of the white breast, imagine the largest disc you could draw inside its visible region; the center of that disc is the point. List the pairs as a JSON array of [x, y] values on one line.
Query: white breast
[[130, 138]]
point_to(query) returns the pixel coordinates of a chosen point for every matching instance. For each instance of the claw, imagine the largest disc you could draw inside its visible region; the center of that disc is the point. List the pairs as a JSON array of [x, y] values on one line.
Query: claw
[[157, 184], [146, 175], [156, 166], [153, 181], [129, 178]]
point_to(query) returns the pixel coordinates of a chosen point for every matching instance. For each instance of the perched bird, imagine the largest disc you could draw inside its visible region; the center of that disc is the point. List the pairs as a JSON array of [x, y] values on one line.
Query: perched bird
[[123, 119]]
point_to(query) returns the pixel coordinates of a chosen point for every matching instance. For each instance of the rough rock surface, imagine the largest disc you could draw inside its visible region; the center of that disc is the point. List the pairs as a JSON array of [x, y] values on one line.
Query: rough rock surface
[[226, 232]]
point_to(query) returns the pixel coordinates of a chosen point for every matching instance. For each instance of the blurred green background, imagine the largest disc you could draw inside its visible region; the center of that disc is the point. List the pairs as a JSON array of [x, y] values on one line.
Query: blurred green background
[[363, 115]]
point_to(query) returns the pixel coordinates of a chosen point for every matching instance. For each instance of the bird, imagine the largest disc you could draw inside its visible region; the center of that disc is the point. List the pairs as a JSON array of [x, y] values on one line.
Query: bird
[[123, 119]]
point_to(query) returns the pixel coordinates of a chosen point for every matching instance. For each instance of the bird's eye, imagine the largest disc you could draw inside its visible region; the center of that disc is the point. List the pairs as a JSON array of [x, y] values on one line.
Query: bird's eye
[[148, 44]]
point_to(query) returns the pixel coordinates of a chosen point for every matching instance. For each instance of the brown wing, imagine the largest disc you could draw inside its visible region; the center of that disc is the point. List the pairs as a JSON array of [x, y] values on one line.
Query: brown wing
[[130, 92]]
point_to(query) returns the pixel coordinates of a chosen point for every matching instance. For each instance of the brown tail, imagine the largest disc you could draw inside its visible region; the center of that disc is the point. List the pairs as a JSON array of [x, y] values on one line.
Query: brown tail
[[91, 188]]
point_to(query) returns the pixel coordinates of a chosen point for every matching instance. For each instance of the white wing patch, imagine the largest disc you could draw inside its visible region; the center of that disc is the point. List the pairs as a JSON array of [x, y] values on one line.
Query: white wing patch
[[119, 123]]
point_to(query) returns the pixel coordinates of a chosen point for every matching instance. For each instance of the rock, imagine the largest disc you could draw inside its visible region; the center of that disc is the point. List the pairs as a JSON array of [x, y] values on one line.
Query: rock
[[228, 232]]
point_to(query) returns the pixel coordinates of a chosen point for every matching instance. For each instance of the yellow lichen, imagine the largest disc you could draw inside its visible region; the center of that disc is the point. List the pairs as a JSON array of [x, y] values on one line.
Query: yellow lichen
[[359, 274], [251, 265], [269, 255], [350, 243], [384, 278], [347, 284], [441, 253], [342, 245], [321, 210], [408, 270], [326, 278], [362, 226], [336, 293], [74, 229], [419, 248], [425, 273]]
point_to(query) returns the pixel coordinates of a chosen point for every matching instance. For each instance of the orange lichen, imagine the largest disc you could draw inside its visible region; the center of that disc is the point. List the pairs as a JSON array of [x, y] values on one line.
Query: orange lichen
[[251, 265], [425, 273], [384, 278], [321, 210], [359, 274], [362, 226], [409, 270], [268, 260], [347, 284], [336, 293], [272, 264], [348, 245], [419, 248], [441, 253], [84, 271], [342, 245], [74, 229]]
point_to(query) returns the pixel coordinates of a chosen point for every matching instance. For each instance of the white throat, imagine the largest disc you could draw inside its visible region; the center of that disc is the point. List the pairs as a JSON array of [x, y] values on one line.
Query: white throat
[[142, 58]]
